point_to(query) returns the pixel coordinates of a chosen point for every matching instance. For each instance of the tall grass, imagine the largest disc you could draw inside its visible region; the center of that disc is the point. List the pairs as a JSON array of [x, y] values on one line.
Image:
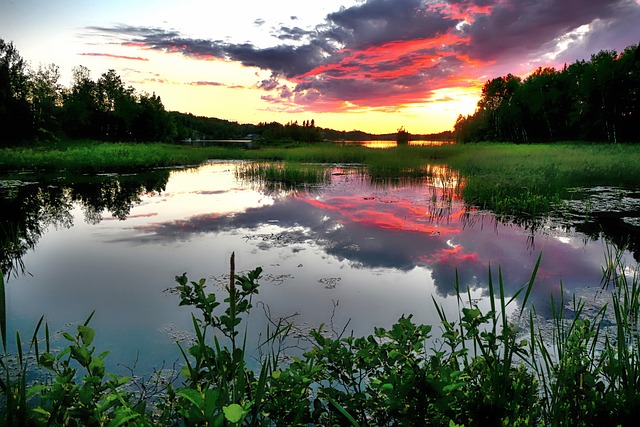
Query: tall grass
[[589, 370], [283, 175], [523, 180]]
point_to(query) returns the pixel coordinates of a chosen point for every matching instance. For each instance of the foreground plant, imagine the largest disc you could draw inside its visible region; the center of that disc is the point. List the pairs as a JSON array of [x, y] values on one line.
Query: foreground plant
[[73, 387], [219, 387], [590, 369], [478, 372]]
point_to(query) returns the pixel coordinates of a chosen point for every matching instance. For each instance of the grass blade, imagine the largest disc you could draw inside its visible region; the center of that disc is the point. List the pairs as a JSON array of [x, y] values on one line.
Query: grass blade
[[530, 284], [3, 313], [343, 412]]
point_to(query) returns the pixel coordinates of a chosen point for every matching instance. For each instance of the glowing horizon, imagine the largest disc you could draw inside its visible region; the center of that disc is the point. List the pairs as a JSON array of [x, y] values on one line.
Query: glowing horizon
[[370, 65]]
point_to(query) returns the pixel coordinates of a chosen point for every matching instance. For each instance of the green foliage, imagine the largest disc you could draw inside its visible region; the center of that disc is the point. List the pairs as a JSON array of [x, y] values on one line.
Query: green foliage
[[594, 100], [479, 371], [95, 156], [278, 176], [73, 388]]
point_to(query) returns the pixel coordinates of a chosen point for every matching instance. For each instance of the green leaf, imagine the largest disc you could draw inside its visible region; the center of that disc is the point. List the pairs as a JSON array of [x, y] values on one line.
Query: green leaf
[[42, 411], [192, 396], [86, 334], [36, 389], [470, 314], [233, 413], [81, 354], [123, 417], [343, 412], [47, 360]]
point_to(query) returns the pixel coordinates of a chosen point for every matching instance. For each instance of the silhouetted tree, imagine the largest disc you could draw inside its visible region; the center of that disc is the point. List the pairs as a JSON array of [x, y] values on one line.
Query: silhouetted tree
[[151, 122], [116, 107], [594, 100], [15, 111], [80, 105], [45, 95]]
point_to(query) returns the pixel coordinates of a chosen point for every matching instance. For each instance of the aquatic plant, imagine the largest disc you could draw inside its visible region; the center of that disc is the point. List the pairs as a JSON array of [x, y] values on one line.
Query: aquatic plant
[[282, 175]]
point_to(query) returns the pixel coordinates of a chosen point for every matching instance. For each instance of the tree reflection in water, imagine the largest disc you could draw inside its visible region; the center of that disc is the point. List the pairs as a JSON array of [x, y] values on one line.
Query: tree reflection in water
[[29, 208]]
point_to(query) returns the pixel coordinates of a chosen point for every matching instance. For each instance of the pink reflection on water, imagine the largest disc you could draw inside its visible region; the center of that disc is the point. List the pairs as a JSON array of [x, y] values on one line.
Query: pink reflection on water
[[384, 144]]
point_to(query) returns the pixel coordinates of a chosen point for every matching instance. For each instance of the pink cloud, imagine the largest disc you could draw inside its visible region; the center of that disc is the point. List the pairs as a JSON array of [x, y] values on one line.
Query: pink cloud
[[109, 55]]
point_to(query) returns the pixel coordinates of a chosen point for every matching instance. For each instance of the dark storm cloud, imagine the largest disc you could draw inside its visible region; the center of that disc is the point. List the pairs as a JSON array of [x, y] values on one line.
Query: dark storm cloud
[[517, 27], [288, 60], [282, 59], [295, 33], [269, 84], [369, 24], [382, 21]]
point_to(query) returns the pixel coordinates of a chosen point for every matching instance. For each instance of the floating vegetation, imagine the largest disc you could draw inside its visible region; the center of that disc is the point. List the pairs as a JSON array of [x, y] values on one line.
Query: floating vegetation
[[330, 282], [602, 199], [177, 335], [221, 282], [280, 239]]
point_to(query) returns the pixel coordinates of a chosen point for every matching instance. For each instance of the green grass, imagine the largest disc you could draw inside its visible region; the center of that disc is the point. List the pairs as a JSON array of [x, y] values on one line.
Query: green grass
[[508, 179], [282, 175], [530, 179], [93, 156]]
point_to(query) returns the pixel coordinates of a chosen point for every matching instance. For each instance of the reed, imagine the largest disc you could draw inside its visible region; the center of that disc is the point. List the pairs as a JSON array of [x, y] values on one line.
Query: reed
[[288, 175]]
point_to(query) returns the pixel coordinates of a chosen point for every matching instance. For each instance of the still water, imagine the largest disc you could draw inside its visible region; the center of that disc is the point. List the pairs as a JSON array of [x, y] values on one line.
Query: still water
[[351, 254]]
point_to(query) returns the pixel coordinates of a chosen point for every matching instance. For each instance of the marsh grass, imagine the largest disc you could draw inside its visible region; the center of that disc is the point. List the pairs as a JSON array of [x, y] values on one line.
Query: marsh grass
[[589, 370], [523, 180], [532, 179], [93, 156], [284, 175]]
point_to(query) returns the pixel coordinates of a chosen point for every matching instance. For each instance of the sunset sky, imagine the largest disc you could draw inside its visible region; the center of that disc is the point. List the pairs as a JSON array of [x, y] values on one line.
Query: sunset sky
[[372, 65]]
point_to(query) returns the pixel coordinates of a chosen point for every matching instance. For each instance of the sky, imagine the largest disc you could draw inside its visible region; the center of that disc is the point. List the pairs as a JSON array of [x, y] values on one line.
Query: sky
[[370, 65]]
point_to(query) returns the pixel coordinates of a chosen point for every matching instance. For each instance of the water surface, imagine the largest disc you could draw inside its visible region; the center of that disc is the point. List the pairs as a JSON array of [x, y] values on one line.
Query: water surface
[[352, 254]]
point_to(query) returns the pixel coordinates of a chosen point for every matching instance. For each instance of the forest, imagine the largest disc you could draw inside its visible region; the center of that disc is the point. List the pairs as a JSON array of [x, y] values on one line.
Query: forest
[[595, 100], [34, 106]]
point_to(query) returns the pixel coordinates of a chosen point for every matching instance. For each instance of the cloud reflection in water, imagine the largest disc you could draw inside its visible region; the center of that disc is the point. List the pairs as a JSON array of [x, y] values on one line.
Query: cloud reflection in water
[[412, 223]]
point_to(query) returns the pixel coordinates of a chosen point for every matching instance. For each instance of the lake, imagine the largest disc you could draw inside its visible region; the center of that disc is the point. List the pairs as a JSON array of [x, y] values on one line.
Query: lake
[[352, 253]]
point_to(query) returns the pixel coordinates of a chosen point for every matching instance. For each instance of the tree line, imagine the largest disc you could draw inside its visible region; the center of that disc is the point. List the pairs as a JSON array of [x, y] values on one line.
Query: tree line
[[595, 100], [34, 105]]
